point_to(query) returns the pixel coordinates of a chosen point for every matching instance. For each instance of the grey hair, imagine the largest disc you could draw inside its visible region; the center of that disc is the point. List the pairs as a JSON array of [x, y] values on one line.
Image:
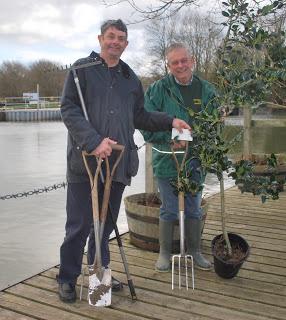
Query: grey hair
[[118, 24], [177, 45]]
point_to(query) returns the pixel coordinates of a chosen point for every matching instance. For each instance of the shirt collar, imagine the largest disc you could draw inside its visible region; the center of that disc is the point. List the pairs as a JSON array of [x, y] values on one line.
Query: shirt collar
[[184, 84]]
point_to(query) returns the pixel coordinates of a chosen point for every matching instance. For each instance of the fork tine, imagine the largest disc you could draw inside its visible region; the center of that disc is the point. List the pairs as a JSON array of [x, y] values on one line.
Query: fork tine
[[186, 259]]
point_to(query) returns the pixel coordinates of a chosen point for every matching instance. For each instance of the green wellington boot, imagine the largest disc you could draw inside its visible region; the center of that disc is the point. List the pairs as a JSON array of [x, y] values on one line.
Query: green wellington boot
[[193, 239], [166, 230]]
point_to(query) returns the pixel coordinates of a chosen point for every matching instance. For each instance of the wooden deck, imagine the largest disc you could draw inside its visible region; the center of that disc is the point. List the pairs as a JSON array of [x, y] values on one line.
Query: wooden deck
[[257, 293]]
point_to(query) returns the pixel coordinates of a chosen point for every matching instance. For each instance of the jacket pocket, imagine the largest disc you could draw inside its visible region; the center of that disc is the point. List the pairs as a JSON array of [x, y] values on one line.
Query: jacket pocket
[[133, 162], [75, 161]]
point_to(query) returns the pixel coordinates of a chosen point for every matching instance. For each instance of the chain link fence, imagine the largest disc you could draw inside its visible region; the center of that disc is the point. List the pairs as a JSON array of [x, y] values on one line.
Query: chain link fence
[[33, 192], [41, 190]]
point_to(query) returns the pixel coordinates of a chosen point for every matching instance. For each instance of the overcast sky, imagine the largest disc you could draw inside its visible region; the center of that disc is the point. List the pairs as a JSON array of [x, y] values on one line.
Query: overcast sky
[[61, 30]]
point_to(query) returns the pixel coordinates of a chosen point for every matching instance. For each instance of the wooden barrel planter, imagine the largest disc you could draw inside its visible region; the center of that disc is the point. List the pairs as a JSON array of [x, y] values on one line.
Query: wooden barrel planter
[[142, 211]]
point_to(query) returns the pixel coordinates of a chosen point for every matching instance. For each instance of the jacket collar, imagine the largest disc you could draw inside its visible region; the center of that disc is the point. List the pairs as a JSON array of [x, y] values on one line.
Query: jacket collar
[[171, 87], [123, 67]]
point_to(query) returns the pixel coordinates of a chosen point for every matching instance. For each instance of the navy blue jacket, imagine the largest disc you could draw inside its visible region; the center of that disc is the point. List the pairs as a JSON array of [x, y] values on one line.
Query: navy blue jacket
[[115, 107]]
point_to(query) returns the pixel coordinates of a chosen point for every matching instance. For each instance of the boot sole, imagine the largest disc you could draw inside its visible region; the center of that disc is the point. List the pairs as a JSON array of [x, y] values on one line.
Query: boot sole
[[162, 271], [202, 268], [67, 300]]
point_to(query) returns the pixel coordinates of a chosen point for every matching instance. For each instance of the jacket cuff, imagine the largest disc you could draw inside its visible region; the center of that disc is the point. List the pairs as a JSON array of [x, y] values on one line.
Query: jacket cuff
[[171, 122], [93, 144]]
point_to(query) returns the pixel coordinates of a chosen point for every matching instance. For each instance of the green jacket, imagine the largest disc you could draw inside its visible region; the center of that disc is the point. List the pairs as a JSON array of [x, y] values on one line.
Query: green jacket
[[164, 95]]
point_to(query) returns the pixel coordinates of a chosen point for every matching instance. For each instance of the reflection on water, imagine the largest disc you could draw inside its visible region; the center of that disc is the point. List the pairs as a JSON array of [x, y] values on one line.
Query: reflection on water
[[32, 229], [264, 140]]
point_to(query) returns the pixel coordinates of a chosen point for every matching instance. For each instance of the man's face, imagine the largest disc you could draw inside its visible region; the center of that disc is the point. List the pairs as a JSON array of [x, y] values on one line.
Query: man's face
[[113, 42], [181, 64]]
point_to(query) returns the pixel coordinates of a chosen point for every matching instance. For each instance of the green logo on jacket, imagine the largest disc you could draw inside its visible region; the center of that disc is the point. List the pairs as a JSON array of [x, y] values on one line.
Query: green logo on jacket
[[197, 101]]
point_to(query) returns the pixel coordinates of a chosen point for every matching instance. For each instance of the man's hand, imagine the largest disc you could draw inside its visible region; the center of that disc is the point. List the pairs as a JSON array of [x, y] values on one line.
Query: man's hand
[[104, 149], [180, 125], [180, 144]]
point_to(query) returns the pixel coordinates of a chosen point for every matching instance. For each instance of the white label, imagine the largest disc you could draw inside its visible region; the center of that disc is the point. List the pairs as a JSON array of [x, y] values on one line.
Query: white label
[[185, 135]]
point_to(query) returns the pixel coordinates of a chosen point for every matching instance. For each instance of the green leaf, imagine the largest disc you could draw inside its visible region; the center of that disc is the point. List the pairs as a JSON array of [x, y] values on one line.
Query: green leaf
[[225, 14]]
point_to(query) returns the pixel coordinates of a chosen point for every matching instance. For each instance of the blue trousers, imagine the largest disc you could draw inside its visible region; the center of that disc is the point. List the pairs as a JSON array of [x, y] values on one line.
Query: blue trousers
[[79, 226], [169, 209]]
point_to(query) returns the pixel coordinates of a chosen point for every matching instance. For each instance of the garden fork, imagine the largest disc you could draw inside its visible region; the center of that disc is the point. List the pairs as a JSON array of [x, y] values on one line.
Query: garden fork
[[182, 256]]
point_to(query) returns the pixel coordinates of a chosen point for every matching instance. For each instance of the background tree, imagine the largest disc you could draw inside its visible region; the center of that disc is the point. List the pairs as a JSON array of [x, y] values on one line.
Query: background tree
[[192, 28], [50, 81], [16, 78], [158, 8], [159, 34], [203, 36], [13, 79]]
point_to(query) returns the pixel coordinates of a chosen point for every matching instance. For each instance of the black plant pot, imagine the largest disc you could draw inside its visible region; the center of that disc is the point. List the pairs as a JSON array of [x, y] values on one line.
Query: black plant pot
[[229, 269]]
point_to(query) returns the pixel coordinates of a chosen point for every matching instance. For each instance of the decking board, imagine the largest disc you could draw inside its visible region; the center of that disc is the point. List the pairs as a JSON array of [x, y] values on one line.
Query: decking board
[[258, 292]]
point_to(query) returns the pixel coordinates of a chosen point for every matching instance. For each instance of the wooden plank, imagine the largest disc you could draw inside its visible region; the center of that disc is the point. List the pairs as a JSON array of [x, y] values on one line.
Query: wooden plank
[[234, 195], [150, 291], [202, 304], [269, 233], [248, 270], [78, 310], [249, 210], [252, 221], [245, 272], [35, 309], [11, 315], [254, 262], [208, 282], [254, 241], [119, 302], [269, 257]]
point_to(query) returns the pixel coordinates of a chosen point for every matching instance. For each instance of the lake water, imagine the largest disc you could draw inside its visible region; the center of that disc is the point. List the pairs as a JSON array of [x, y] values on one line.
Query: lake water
[[33, 155]]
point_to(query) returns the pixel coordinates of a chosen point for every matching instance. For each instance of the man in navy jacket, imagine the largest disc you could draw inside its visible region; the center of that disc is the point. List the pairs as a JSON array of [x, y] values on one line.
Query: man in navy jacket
[[115, 105]]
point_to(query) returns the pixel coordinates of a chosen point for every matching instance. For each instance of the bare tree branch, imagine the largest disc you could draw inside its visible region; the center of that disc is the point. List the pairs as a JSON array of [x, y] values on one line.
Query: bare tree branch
[[161, 9]]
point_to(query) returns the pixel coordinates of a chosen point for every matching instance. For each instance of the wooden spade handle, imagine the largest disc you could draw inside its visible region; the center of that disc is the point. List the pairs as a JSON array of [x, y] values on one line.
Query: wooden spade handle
[[117, 147]]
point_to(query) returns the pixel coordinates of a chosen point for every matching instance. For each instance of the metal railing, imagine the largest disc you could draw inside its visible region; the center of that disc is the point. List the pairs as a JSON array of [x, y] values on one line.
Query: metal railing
[[11, 103]]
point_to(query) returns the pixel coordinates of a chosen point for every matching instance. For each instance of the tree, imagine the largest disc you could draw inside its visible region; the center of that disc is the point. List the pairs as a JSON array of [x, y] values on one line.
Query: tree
[[160, 8], [160, 33], [203, 37], [16, 78], [43, 73], [194, 29], [13, 79]]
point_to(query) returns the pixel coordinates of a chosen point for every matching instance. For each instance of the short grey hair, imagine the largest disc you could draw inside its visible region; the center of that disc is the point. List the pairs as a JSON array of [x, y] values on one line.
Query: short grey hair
[[177, 45], [118, 24]]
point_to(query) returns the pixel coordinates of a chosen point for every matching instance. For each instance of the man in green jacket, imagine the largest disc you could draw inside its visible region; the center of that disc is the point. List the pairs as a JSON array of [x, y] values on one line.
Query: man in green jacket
[[175, 94]]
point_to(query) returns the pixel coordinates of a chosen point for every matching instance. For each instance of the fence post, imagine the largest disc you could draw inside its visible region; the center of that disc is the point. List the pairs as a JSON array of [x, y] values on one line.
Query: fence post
[[247, 124], [150, 180]]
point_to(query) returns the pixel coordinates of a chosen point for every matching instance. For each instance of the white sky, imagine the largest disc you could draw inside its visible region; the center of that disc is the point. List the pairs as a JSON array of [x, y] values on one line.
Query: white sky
[[62, 30]]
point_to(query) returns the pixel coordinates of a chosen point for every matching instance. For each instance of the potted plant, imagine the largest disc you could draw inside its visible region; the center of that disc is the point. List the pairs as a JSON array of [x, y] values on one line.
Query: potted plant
[[247, 73], [229, 250]]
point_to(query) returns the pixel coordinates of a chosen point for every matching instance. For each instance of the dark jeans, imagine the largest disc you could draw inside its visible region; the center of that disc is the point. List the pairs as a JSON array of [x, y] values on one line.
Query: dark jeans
[[79, 226]]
